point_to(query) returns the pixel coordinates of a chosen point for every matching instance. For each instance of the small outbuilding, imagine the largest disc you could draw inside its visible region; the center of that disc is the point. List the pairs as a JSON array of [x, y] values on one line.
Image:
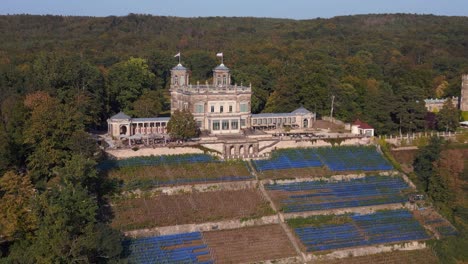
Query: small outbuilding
[[362, 128]]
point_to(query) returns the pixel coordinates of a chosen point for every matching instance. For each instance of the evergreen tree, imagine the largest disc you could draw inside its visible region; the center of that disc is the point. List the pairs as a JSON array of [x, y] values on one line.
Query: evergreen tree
[[423, 163], [448, 117]]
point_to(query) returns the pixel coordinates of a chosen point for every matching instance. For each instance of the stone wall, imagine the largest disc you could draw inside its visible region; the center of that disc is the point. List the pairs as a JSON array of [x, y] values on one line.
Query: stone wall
[[210, 226], [129, 153], [283, 144]]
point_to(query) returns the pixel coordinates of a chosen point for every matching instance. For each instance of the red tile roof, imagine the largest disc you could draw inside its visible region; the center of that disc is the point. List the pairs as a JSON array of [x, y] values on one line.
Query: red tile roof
[[362, 125]]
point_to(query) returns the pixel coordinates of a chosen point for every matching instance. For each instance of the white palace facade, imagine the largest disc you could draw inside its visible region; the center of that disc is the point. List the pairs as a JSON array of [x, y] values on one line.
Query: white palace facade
[[219, 107]]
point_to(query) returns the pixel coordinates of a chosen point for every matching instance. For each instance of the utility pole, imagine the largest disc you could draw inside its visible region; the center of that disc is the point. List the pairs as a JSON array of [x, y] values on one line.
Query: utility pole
[[331, 111]]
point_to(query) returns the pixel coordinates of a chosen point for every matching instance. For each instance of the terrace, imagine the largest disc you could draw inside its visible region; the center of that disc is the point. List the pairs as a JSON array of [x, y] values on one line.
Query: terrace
[[179, 248], [325, 195], [363, 230], [150, 172], [348, 158]]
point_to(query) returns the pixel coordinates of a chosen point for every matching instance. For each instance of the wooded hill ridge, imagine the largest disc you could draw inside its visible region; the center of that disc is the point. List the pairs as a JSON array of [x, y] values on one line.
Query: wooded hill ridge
[[372, 64]]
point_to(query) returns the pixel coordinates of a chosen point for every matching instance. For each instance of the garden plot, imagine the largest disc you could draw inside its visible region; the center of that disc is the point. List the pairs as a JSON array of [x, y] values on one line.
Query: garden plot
[[318, 162], [425, 256], [168, 210], [435, 222], [147, 177], [178, 248], [353, 158], [249, 244], [322, 233], [325, 195]]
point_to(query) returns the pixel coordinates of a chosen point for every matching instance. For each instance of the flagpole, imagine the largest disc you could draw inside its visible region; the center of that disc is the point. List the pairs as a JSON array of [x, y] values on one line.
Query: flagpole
[[179, 56]]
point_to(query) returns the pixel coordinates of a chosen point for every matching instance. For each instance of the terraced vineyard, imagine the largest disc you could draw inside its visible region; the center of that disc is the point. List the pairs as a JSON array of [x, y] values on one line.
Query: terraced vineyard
[[361, 230], [319, 234], [176, 173], [425, 256], [347, 158], [353, 158], [156, 176], [249, 244], [324, 195], [179, 248], [164, 210]]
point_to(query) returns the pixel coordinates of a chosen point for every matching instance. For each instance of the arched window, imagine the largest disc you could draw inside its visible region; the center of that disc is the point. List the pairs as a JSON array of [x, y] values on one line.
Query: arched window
[[176, 80]]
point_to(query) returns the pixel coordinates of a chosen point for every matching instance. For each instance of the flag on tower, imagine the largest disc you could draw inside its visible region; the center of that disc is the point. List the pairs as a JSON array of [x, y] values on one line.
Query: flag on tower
[[177, 55], [220, 54]]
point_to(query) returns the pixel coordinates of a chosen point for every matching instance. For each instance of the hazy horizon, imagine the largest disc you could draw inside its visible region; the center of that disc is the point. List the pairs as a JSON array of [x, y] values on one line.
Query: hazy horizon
[[294, 9]]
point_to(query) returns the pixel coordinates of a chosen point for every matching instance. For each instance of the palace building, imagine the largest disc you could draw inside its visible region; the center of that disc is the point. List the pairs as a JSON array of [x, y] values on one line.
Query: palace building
[[219, 107]]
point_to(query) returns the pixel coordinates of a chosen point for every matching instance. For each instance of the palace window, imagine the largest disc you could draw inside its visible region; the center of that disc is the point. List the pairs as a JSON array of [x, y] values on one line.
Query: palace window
[[234, 124], [230, 109], [199, 123], [221, 109], [225, 124], [289, 120], [254, 121], [224, 80], [269, 120], [215, 124], [294, 120], [212, 109], [219, 81], [176, 80], [199, 108], [242, 122], [243, 107]]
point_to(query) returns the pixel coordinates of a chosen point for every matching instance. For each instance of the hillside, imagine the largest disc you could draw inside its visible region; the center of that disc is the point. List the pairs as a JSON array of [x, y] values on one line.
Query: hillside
[[359, 59]]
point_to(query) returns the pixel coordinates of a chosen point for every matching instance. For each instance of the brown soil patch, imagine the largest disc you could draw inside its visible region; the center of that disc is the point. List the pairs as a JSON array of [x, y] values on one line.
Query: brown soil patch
[[296, 173], [405, 156], [425, 256], [168, 210], [249, 244]]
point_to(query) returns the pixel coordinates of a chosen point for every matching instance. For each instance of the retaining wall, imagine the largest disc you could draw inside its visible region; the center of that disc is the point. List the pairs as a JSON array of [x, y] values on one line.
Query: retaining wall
[[210, 226]]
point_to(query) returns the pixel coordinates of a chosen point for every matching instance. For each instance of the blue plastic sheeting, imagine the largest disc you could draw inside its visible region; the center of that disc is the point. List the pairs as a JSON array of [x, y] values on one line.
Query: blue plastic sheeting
[[347, 158], [353, 158], [323, 195], [180, 248], [156, 160], [288, 159], [378, 228]]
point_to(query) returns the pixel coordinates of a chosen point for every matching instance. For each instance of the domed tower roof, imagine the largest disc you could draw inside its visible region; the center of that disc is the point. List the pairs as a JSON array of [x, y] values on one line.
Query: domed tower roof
[[221, 67], [179, 67]]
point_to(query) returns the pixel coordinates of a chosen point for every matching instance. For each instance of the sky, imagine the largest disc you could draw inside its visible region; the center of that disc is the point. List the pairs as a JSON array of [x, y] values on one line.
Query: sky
[[295, 9]]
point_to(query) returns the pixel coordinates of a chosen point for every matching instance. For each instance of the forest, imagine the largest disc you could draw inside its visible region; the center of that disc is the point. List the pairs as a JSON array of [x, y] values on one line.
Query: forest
[[62, 77]]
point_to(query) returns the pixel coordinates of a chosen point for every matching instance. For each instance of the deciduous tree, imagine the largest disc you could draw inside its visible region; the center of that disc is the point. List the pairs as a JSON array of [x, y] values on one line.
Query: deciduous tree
[[182, 125], [16, 203]]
